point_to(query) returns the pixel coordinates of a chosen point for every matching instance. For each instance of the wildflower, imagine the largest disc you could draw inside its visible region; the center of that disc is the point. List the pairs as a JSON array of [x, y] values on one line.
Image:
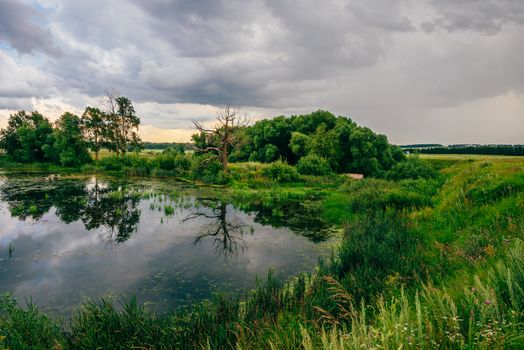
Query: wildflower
[[487, 302]]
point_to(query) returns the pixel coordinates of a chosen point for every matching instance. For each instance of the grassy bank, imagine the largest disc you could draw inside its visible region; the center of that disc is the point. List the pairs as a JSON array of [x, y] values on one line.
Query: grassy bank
[[423, 263]]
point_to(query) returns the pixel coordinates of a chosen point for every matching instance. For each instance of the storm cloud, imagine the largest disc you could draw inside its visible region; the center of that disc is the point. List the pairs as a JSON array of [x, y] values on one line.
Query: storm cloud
[[414, 70], [22, 27]]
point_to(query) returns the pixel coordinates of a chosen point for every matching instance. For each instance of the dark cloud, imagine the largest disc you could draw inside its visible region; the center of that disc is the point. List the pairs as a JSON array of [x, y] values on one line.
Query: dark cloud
[[486, 16], [386, 62], [21, 27]]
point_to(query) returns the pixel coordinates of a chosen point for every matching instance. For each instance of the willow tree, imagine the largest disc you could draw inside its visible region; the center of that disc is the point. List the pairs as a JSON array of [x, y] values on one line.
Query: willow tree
[[222, 136]]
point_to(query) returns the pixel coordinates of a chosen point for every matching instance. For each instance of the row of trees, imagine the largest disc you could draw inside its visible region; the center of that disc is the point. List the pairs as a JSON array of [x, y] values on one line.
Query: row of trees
[[503, 150], [31, 137], [318, 141]]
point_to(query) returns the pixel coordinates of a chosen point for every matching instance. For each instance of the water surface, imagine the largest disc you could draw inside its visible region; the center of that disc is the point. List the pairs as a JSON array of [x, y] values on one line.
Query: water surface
[[67, 239]]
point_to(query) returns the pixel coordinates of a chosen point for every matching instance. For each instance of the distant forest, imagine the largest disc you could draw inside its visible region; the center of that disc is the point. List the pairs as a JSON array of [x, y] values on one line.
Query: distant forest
[[165, 145], [503, 150]]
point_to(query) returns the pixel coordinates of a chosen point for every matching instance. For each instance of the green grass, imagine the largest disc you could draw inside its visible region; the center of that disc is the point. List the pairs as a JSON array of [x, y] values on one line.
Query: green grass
[[422, 264]]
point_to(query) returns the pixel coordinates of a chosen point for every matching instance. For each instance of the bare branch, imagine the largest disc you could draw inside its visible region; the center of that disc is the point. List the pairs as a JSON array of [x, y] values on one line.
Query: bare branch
[[200, 128], [109, 101], [224, 134], [208, 149]]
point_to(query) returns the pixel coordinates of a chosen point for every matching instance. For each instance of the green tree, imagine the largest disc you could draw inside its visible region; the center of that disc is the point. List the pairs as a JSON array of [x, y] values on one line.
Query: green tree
[[325, 143], [298, 144], [70, 144], [123, 123], [26, 137], [312, 164], [95, 128]]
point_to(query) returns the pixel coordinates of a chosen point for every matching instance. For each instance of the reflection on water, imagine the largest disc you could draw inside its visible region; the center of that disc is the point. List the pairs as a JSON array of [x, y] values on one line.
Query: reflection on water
[[226, 233], [67, 239], [113, 209]]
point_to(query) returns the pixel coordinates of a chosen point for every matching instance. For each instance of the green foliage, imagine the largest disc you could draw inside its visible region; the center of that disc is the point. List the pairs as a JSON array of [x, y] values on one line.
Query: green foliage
[[122, 126], [497, 189], [313, 165], [27, 328], [344, 145], [372, 195], [208, 169], [95, 128], [129, 164], [69, 145], [505, 150], [411, 168], [102, 325], [281, 172], [299, 144], [26, 137], [375, 247], [175, 148], [423, 263], [177, 164]]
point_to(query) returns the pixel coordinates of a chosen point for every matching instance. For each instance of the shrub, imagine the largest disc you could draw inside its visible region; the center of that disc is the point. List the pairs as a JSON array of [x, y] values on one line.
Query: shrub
[[131, 164], [281, 172], [313, 165], [177, 163], [208, 170], [113, 163], [412, 168]]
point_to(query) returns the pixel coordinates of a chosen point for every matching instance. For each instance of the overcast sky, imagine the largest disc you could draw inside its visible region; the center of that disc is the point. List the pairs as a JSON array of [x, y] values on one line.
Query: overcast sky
[[440, 71]]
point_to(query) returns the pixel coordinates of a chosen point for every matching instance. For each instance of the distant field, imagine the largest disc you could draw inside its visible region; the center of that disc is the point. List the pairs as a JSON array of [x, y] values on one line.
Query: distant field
[[467, 156], [145, 153]]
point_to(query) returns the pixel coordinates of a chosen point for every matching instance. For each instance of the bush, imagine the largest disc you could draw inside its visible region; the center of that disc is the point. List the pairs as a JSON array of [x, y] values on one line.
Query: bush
[[208, 170], [313, 165], [177, 163], [113, 163], [281, 172], [412, 168], [131, 164]]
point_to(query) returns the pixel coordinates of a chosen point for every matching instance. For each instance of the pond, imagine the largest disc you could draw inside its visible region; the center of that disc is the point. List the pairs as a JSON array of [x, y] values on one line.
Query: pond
[[65, 239]]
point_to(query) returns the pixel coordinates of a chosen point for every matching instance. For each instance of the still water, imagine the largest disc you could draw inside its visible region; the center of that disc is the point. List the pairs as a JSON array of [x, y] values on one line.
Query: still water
[[68, 239]]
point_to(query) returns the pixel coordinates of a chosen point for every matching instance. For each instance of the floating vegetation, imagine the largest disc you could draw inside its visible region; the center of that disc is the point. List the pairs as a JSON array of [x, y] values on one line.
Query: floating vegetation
[[169, 210]]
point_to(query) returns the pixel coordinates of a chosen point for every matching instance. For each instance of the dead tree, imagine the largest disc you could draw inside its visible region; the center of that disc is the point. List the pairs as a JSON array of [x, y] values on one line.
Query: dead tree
[[227, 234], [224, 134]]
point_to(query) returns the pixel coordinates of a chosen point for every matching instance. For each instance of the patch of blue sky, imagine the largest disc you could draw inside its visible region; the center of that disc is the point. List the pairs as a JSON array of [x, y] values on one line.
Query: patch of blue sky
[[42, 11]]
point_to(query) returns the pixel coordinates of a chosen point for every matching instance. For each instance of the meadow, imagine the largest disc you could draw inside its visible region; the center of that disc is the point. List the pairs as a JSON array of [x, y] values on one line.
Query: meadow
[[423, 263]]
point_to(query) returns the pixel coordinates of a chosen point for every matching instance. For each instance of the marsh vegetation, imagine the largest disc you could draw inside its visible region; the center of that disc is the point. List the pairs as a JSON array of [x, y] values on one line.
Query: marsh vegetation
[[279, 248]]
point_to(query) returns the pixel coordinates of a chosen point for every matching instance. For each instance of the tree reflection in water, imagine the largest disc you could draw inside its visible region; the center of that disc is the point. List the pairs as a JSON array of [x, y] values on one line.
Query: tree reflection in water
[[113, 209], [110, 207], [227, 234]]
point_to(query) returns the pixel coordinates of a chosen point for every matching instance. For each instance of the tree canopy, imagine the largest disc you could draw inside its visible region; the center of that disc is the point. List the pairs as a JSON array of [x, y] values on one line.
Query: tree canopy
[[337, 141], [31, 137]]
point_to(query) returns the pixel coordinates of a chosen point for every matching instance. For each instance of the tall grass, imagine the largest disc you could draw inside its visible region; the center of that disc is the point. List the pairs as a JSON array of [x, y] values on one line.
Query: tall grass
[[485, 315], [27, 328], [443, 273]]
